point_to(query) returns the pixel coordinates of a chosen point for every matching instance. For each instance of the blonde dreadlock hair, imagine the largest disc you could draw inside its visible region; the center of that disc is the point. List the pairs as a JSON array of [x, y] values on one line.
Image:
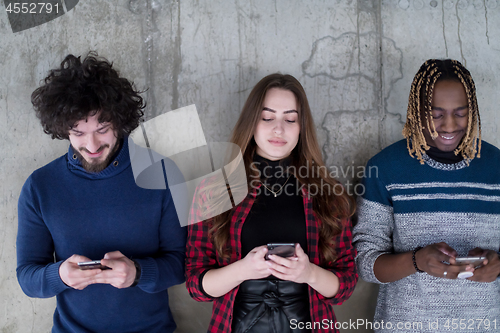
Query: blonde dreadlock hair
[[422, 88]]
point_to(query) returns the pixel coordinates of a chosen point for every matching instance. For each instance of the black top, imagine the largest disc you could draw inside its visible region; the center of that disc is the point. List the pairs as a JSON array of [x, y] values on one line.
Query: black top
[[445, 157], [279, 219]]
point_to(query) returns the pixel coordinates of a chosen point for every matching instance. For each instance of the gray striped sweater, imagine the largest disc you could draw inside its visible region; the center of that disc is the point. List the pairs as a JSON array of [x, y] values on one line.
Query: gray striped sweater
[[406, 205]]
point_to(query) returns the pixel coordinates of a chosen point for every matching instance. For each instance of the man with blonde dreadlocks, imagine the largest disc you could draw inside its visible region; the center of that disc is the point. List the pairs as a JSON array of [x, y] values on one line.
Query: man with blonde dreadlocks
[[436, 197]]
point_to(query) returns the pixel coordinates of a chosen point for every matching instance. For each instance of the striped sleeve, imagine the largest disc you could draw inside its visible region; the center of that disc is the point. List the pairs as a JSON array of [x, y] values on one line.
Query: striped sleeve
[[373, 232]]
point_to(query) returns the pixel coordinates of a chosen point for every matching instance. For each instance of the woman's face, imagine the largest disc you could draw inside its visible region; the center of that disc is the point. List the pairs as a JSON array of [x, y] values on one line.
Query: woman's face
[[277, 132], [450, 112]]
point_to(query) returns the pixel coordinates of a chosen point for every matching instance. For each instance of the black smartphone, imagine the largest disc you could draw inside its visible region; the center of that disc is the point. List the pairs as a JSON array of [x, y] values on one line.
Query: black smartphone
[[284, 250], [92, 265]]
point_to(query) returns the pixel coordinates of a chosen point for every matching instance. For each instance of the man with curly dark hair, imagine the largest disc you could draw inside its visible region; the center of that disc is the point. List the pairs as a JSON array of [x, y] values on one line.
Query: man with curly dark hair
[[86, 206]]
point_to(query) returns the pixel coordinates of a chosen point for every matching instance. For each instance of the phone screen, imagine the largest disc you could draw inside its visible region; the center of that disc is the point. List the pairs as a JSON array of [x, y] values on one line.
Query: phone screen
[[92, 265], [284, 250]]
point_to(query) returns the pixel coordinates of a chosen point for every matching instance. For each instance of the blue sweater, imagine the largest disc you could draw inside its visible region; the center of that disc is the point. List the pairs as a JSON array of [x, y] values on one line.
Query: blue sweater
[[406, 205], [64, 210]]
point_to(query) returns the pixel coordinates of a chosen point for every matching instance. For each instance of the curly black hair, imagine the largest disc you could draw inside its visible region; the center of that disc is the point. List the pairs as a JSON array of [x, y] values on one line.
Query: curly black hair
[[78, 90]]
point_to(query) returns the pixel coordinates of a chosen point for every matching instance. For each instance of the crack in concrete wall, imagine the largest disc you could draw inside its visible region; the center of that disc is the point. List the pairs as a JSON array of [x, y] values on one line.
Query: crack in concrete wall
[[144, 8], [464, 61], [486, 22], [444, 33], [177, 62], [366, 62], [149, 12]]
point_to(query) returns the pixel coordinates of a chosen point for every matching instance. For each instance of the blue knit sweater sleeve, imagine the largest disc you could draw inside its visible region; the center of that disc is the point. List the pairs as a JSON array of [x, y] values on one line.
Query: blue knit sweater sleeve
[[166, 270], [37, 272]]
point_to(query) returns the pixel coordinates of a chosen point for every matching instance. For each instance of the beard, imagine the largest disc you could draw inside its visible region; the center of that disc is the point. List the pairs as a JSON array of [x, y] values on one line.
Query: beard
[[97, 166]]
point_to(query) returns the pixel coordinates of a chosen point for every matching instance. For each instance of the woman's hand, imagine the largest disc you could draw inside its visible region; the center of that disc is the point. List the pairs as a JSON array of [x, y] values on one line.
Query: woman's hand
[[490, 269], [300, 270], [297, 269], [219, 281], [255, 266], [431, 258]]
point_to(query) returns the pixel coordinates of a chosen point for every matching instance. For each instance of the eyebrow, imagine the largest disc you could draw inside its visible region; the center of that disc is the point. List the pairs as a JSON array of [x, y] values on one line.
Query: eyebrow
[[99, 129], [457, 109], [274, 111]]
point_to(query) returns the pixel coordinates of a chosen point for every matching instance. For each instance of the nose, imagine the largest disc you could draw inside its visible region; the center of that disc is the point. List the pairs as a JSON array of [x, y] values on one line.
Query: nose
[[92, 144], [278, 129], [449, 124]]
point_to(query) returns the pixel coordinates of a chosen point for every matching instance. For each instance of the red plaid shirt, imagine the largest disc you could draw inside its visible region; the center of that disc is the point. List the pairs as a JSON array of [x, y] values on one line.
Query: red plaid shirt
[[201, 257]]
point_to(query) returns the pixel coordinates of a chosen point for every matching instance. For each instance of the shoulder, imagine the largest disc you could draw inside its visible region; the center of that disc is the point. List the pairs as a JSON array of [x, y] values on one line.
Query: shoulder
[[49, 171], [392, 165], [42, 179], [490, 156], [391, 156], [489, 151]]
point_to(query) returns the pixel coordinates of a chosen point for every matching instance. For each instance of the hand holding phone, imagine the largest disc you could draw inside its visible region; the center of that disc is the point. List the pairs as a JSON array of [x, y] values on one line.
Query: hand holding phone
[[475, 261], [73, 275], [284, 250], [470, 260], [92, 265]]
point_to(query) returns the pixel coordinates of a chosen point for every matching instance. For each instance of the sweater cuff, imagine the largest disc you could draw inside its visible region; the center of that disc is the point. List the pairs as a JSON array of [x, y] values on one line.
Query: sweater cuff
[[54, 280], [366, 266], [149, 272]]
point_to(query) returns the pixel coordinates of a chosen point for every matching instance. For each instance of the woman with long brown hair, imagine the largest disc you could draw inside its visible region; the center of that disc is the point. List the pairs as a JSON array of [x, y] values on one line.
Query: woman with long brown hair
[[291, 199]]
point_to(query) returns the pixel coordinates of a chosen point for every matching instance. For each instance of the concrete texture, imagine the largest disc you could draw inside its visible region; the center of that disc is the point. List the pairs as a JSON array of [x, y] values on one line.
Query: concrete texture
[[356, 60]]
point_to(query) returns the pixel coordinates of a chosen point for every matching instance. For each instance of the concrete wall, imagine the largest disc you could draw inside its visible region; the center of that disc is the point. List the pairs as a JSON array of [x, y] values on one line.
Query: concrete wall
[[356, 60]]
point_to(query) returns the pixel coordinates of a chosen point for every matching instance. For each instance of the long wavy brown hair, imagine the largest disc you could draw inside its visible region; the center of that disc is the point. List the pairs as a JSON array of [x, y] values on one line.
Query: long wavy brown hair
[[332, 209]]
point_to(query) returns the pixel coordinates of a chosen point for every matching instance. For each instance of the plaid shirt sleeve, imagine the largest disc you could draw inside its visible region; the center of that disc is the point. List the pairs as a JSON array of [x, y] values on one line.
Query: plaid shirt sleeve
[[200, 251], [200, 258], [344, 267]]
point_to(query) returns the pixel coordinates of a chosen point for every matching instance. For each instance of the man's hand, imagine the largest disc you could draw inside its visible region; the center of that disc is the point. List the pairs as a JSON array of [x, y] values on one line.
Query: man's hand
[[431, 260], [490, 269], [73, 276], [122, 272]]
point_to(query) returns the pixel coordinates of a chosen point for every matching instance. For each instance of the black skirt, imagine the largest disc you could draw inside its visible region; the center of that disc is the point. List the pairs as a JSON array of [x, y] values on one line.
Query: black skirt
[[269, 306]]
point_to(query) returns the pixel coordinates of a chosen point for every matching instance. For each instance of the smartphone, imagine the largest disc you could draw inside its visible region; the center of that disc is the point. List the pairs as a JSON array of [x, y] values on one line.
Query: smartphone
[[284, 250], [92, 265], [474, 261]]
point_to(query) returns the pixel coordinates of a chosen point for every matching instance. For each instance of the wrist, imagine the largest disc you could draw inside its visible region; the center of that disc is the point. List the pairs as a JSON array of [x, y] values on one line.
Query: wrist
[[313, 274], [414, 260], [137, 273], [498, 255], [242, 273]]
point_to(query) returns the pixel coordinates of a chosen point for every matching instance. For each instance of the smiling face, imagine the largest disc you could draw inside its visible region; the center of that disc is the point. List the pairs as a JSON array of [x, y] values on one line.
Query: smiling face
[[450, 113], [94, 143], [277, 132]]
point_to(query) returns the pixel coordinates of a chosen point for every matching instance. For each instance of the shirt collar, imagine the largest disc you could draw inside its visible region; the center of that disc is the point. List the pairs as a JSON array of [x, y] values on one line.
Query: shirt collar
[[120, 162]]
